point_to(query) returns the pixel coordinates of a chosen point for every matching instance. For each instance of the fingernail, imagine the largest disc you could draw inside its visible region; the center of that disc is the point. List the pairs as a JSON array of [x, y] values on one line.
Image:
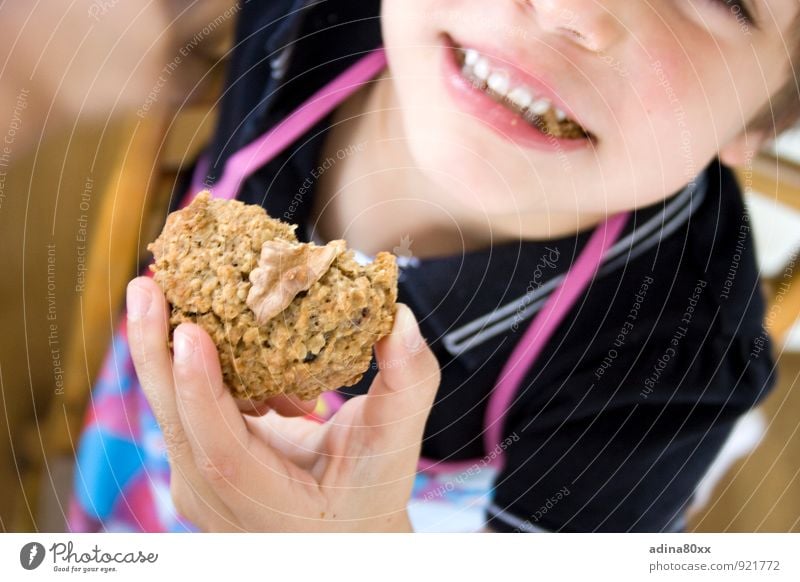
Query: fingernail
[[183, 345], [138, 301], [409, 330]]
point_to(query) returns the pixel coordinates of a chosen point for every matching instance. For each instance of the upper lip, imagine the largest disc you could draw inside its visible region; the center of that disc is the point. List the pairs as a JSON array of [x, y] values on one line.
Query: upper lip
[[537, 80]]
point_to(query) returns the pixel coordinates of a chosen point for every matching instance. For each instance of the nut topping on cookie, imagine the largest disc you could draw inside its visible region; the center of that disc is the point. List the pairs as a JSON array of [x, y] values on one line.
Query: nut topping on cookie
[[284, 270]]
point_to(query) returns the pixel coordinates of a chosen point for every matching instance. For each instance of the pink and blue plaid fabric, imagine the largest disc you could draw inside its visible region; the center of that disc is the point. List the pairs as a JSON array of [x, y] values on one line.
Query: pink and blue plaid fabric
[[121, 480]]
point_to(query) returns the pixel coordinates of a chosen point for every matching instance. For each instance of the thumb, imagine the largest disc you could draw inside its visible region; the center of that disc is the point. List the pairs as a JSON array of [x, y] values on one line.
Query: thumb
[[402, 393]]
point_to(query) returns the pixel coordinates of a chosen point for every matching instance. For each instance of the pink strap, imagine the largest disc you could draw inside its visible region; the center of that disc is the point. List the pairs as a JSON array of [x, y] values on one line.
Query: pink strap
[[532, 342], [261, 150], [544, 325]]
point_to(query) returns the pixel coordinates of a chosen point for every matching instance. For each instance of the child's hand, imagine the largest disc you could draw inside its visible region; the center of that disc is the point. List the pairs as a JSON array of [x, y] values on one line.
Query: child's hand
[[273, 473]]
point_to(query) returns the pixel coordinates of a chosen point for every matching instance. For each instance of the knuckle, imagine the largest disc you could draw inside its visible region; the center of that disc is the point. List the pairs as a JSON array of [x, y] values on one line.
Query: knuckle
[[194, 386], [218, 469], [436, 371], [175, 442], [145, 340], [432, 372], [189, 390]]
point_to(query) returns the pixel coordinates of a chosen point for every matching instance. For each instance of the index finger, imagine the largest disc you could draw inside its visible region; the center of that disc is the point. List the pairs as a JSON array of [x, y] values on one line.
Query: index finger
[[148, 339]]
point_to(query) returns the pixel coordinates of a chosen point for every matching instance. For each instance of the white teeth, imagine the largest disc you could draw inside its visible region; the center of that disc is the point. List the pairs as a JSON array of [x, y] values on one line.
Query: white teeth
[[481, 69], [520, 97], [498, 82], [540, 106]]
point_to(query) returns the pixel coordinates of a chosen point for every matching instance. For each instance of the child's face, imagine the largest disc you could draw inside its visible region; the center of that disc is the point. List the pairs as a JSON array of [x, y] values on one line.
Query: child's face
[[659, 87]]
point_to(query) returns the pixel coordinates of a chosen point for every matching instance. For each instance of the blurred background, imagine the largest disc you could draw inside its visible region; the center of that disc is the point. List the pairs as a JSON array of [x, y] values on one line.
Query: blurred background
[[102, 105]]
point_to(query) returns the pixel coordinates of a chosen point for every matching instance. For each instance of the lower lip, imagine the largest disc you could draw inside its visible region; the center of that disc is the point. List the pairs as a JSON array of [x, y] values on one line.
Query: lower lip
[[503, 121]]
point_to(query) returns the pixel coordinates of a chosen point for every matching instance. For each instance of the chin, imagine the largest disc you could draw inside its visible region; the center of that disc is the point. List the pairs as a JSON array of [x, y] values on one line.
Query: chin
[[470, 185], [474, 171]]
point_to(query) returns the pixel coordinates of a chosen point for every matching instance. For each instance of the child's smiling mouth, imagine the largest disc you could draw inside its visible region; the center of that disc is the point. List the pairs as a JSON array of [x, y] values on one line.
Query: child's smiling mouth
[[496, 82], [510, 100]]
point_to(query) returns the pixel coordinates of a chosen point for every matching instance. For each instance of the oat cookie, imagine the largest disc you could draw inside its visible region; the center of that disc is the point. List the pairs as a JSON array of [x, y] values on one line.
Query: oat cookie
[[286, 317]]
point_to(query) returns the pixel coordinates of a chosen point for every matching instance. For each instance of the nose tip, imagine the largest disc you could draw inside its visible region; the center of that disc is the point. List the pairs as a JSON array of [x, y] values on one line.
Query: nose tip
[[588, 23]]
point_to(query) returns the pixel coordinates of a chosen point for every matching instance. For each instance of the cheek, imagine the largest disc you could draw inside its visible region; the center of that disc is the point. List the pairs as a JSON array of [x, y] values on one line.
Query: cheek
[[662, 81], [412, 44], [405, 22], [675, 102], [665, 136], [407, 38], [686, 91]]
